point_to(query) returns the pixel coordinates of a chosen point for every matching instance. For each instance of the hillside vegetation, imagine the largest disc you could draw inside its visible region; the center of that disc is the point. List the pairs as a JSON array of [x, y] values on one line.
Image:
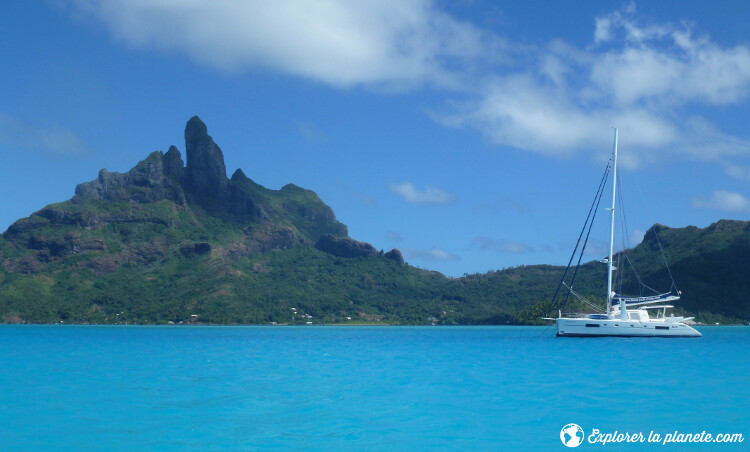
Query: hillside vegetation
[[169, 242]]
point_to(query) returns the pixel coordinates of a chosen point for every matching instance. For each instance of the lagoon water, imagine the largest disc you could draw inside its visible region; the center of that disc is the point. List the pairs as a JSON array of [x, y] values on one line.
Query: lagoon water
[[361, 388]]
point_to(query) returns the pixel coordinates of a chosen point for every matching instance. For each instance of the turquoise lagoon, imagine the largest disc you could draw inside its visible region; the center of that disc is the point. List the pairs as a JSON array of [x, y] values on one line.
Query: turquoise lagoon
[[362, 388]]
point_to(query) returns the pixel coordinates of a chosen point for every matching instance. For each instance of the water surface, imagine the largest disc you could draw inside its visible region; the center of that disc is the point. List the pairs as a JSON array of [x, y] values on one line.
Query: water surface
[[360, 388]]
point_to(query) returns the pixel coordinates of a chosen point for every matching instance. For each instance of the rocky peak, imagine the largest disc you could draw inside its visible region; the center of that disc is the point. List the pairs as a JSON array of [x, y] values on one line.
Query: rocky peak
[[107, 186], [653, 231], [396, 256], [148, 173], [144, 183], [345, 247], [173, 164], [239, 176], [206, 172]]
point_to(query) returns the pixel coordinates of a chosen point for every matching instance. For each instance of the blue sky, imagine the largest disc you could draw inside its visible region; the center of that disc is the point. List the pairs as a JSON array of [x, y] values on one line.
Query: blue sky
[[471, 135]]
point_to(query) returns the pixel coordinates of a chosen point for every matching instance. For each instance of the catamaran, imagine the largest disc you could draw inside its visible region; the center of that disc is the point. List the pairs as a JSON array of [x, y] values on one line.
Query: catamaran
[[624, 316]]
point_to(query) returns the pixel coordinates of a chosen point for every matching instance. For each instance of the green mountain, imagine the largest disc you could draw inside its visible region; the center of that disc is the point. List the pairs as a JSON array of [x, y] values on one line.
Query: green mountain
[[175, 242], [710, 267], [166, 242]]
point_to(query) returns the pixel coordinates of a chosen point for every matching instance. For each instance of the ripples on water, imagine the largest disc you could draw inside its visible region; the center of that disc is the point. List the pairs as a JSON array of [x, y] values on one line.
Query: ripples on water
[[358, 388]]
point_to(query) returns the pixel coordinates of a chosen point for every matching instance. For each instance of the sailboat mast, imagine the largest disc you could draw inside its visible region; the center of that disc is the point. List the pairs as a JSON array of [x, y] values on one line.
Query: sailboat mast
[[612, 231]]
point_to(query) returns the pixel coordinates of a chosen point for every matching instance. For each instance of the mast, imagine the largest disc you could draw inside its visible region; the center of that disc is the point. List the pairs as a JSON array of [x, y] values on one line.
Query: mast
[[610, 268]]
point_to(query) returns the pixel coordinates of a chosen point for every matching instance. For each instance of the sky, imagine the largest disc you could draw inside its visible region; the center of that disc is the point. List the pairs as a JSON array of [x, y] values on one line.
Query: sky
[[469, 134]]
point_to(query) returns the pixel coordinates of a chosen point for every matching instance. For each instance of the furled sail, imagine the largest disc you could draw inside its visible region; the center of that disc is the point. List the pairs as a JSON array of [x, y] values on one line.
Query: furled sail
[[636, 301]]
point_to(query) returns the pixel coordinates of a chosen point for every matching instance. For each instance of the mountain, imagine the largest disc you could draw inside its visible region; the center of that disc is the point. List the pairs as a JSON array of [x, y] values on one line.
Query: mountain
[[170, 241], [708, 266], [175, 242]]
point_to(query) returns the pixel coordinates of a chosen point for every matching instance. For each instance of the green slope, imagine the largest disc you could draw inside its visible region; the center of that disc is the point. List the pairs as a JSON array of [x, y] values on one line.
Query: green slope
[[172, 243]]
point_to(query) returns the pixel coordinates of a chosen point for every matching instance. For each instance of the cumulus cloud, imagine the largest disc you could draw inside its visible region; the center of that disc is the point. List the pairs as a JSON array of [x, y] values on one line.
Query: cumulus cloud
[[724, 200], [431, 255], [47, 137], [666, 65], [641, 77], [501, 246], [339, 42], [430, 195], [556, 99]]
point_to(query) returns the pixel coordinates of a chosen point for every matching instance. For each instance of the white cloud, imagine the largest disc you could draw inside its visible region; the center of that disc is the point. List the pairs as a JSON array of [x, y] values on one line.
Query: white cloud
[[668, 66], [724, 200], [339, 42], [558, 99], [501, 246], [526, 113], [603, 30], [48, 137], [431, 255], [643, 79], [737, 171], [634, 73], [430, 195]]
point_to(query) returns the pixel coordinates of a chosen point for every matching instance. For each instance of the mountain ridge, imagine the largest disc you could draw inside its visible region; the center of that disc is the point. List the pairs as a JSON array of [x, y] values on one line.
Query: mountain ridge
[[169, 240]]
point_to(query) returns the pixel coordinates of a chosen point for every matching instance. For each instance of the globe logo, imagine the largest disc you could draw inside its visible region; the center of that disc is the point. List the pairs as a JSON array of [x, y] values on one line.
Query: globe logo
[[571, 435]]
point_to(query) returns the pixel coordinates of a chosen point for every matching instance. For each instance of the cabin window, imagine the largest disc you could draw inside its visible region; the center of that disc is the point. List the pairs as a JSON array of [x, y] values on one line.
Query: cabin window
[[592, 325], [662, 327]]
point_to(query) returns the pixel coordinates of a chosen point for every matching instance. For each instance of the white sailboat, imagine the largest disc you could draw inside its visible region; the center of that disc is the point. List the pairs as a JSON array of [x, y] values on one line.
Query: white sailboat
[[625, 316]]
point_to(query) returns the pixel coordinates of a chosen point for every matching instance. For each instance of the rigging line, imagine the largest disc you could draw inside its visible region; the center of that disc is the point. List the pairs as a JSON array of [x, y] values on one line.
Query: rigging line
[[583, 248], [584, 300], [640, 281], [594, 208], [626, 243], [621, 263], [601, 187], [638, 276], [624, 236], [626, 246], [623, 218], [664, 257]]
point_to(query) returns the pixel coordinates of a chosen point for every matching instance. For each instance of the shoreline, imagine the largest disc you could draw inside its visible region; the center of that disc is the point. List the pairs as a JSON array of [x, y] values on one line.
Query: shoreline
[[188, 325]]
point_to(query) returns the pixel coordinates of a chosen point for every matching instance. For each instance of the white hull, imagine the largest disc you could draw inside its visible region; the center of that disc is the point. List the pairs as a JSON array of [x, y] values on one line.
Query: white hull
[[585, 327]]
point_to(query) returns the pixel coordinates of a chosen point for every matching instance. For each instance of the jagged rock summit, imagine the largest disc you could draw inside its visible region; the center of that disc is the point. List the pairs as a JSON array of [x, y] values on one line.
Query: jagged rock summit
[[206, 172], [165, 175], [161, 190]]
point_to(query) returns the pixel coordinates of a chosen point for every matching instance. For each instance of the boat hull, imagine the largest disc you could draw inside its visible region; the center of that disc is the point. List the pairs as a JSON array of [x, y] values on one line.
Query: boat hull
[[584, 327]]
